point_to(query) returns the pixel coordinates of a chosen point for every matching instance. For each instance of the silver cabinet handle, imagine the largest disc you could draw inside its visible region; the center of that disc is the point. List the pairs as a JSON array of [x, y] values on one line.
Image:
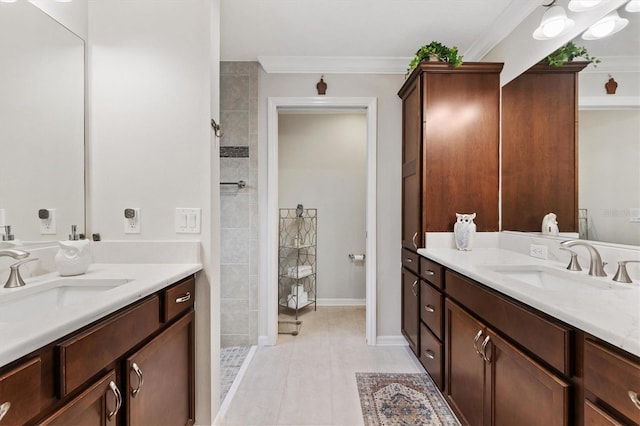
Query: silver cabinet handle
[[413, 288], [4, 409], [413, 240], [138, 372], [409, 260], [483, 349], [634, 398], [429, 354], [118, 395], [429, 309], [184, 298], [429, 272], [475, 343]]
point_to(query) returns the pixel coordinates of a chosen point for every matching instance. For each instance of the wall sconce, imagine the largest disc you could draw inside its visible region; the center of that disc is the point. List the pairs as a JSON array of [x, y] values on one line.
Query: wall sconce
[[610, 24], [554, 23], [633, 6], [582, 5]]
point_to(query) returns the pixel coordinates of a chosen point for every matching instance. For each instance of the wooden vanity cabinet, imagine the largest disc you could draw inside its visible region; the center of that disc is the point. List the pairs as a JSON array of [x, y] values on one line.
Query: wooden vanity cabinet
[[492, 382], [87, 378], [410, 323]]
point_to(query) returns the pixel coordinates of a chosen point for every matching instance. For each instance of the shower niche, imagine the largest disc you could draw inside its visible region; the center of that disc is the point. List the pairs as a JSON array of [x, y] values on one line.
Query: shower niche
[[297, 254]]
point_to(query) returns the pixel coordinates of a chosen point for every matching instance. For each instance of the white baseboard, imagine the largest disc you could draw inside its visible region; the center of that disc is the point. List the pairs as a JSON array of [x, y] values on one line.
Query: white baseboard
[[266, 341], [391, 341], [341, 302]]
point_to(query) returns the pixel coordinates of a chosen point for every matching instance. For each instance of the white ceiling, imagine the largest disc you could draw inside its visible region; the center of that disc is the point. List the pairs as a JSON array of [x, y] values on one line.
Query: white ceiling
[[383, 28]]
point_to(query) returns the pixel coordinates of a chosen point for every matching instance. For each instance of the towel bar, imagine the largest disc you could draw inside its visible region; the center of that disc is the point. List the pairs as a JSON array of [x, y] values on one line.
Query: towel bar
[[240, 183]]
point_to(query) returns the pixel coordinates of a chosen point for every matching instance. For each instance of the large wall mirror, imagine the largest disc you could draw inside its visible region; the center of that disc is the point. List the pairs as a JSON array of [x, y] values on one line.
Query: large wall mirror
[[608, 140], [42, 130]]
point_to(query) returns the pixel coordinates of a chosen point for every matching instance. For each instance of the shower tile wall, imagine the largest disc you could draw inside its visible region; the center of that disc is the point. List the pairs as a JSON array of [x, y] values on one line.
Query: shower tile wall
[[239, 207]]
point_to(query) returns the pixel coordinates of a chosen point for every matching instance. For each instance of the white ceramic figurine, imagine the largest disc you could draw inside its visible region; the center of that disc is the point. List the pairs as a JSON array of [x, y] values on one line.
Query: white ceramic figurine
[[464, 230]]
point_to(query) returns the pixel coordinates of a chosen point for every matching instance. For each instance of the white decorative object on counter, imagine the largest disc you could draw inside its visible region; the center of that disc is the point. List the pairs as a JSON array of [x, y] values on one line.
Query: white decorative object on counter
[[550, 224], [464, 230], [74, 257]]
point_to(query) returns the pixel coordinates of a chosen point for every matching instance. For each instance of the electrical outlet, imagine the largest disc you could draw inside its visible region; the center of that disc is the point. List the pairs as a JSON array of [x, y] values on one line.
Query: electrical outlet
[[132, 221], [48, 224], [538, 251]]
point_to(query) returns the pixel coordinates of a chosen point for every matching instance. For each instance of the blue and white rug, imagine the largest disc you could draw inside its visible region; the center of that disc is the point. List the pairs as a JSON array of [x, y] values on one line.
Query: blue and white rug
[[389, 399]]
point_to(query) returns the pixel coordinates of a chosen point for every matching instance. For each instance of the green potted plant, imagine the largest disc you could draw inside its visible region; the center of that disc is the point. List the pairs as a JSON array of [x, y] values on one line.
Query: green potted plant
[[435, 51], [568, 53]]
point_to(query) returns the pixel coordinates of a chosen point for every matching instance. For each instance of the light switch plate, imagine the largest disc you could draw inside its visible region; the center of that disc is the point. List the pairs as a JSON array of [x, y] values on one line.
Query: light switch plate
[[187, 220]]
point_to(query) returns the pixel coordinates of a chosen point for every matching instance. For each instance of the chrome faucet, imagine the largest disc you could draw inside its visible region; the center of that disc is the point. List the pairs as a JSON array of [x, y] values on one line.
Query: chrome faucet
[[596, 267], [15, 280]]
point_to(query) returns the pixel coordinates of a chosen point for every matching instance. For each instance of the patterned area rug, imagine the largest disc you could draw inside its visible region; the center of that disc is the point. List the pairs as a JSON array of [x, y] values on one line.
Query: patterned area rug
[[402, 399]]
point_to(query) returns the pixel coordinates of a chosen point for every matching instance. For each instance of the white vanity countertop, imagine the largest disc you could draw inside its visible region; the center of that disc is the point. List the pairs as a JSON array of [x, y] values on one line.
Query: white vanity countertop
[[611, 315], [18, 339]]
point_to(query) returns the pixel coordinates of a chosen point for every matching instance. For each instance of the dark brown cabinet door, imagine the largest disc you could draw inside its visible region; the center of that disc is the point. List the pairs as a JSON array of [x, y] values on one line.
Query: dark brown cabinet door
[[160, 378], [98, 405], [411, 309], [411, 168], [465, 387], [522, 391]]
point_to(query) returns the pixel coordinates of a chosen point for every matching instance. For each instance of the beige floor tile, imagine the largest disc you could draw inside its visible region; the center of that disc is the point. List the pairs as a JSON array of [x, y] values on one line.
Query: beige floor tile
[[309, 379]]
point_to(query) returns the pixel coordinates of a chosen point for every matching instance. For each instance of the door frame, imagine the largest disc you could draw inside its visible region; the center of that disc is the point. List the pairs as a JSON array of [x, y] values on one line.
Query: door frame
[[270, 216]]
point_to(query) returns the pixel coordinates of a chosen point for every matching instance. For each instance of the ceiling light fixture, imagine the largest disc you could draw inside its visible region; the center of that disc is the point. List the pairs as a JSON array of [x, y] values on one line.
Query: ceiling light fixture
[[554, 23], [633, 6], [7, 1], [610, 24], [582, 5]]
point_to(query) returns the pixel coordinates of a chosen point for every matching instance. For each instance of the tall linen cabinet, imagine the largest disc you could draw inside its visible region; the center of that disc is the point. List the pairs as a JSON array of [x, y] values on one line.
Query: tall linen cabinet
[[450, 164]]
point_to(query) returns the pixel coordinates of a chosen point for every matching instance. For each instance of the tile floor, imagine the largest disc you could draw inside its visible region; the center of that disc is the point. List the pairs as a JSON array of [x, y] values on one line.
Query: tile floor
[[309, 379], [231, 360]]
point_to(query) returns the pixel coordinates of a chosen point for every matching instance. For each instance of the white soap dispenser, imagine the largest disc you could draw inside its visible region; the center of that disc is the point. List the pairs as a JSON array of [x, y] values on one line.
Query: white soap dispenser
[[550, 224], [74, 257]]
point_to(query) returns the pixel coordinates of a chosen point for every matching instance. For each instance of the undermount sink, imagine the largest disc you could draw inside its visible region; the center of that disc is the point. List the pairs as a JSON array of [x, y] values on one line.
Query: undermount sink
[[547, 278], [30, 303]]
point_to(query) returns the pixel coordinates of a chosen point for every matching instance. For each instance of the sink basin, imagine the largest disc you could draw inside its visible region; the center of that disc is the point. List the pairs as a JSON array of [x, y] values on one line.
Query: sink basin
[[27, 303], [547, 278]]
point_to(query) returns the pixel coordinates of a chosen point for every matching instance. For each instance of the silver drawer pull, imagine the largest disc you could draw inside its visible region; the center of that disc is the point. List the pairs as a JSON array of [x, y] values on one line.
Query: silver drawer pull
[[483, 349], [634, 398], [475, 343], [413, 288], [429, 309], [184, 298], [429, 354], [413, 240], [429, 272], [409, 260], [138, 372], [118, 395], [4, 409]]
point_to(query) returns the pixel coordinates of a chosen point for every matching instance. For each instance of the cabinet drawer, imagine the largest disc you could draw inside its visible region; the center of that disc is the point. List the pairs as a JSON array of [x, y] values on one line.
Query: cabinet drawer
[[594, 416], [410, 260], [20, 393], [431, 302], [178, 298], [88, 352], [549, 341], [431, 355], [610, 377], [431, 272]]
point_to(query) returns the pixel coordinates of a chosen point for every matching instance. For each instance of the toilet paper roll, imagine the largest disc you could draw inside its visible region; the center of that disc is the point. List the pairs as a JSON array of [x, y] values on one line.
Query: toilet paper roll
[[358, 257]]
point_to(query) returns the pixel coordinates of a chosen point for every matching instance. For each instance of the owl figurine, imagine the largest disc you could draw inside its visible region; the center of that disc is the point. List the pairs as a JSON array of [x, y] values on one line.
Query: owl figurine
[[464, 230]]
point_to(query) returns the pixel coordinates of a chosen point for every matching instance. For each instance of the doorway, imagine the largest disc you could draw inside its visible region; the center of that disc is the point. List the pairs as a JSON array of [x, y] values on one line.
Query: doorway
[[270, 211]]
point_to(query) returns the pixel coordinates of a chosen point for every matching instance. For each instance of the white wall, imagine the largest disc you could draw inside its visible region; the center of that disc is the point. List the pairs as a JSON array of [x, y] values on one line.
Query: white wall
[[609, 176], [322, 164], [150, 91], [389, 153], [72, 15]]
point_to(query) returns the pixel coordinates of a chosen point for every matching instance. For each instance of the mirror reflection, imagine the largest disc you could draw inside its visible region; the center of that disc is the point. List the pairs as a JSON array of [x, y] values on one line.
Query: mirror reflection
[[41, 125]]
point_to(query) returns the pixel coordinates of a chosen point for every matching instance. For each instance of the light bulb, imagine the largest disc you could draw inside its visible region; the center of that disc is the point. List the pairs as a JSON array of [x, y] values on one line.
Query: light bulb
[[610, 24], [582, 5], [554, 22], [633, 6]]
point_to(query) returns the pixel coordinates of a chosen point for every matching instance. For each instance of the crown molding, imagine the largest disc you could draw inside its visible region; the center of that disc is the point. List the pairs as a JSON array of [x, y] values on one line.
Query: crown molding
[[512, 16], [615, 64], [333, 64], [608, 102]]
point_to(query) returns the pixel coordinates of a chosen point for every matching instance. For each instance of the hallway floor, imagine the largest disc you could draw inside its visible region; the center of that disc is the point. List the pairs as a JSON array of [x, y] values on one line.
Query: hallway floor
[[309, 379]]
